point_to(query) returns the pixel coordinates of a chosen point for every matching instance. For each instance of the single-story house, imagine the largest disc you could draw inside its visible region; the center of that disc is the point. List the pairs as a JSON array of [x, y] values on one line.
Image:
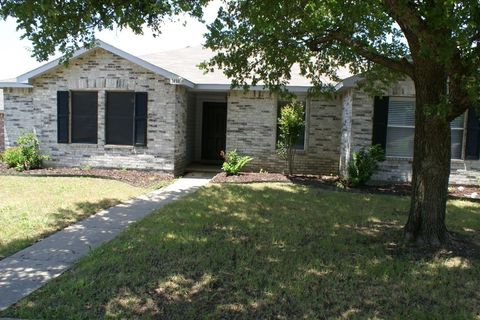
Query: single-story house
[[108, 108]]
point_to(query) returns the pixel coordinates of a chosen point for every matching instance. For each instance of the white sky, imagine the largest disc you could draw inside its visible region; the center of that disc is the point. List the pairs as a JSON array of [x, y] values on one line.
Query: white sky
[[15, 54]]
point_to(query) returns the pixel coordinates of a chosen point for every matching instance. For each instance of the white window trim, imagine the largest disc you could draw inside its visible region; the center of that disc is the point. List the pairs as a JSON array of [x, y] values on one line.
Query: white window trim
[[464, 129], [300, 98]]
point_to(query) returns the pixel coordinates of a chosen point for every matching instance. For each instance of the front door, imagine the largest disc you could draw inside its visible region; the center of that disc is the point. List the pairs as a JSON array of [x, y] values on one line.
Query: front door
[[214, 130]]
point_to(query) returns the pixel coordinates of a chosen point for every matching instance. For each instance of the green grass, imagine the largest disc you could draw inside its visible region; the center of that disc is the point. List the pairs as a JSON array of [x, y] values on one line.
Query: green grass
[[32, 207], [268, 251]]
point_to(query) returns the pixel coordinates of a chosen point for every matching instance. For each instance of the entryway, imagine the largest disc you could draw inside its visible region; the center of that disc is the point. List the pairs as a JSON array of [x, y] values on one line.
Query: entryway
[[214, 131]]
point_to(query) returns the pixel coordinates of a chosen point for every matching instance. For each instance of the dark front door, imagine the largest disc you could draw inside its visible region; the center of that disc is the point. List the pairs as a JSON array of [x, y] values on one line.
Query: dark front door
[[214, 130]]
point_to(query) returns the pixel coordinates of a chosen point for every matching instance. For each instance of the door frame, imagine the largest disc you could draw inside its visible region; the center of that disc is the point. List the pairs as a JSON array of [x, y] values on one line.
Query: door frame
[[200, 99], [225, 106]]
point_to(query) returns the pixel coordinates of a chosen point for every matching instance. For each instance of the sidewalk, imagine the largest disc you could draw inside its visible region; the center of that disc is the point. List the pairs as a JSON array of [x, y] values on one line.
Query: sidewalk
[[29, 269]]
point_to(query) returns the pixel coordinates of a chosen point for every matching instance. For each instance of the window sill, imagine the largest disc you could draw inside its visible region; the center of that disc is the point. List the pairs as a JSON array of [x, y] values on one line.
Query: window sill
[[124, 147], [297, 151], [80, 145], [410, 159], [118, 146]]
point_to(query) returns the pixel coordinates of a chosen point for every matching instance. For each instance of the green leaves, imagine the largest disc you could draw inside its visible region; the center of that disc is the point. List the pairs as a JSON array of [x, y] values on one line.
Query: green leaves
[[234, 162], [363, 164], [26, 156], [69, 25], [291, 124]]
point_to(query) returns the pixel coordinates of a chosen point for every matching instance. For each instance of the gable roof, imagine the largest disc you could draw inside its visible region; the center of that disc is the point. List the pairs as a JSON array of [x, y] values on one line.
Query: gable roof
[[180, 66]]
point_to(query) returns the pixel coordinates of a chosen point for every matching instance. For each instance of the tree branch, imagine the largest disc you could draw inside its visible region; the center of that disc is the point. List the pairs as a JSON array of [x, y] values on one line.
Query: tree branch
[[410, 23], [400, 65]]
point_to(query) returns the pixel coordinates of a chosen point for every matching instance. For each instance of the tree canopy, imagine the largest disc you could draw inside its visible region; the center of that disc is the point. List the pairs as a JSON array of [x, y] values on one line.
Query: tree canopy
[[69, 25], [260, 40]]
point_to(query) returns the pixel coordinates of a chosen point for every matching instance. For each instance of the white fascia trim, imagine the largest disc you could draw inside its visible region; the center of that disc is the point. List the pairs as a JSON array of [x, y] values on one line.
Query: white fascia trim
[[227, 87], [14, 85], [174, 78], [347, 83]]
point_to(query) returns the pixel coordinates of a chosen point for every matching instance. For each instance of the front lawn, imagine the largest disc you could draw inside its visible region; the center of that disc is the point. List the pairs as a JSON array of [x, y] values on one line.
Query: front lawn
[[32, 207], [269, 251]]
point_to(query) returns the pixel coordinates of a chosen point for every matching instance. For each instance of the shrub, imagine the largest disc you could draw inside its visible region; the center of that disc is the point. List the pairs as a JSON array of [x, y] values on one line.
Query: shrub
[[291, 125], [26, 156], [13, 158], [234, 162], [363, 164]]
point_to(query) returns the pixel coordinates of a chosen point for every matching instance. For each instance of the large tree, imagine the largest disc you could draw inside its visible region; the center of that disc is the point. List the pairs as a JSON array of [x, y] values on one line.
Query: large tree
[[435, 43]]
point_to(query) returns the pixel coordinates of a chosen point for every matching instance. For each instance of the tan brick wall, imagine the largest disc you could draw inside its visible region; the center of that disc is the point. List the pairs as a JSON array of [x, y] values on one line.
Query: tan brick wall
[[251, 129], [395, 169], [99, 70]]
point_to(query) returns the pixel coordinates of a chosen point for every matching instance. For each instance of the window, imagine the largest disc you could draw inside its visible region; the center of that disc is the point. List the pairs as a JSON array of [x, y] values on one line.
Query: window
[[84, 117], [126, 118], [300, 145], [401, 129], [457, 127], [77, 116]]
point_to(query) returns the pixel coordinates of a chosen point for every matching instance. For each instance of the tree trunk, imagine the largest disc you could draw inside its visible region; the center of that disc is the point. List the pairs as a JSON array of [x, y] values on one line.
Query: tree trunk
[[431, 162], [291, 159]]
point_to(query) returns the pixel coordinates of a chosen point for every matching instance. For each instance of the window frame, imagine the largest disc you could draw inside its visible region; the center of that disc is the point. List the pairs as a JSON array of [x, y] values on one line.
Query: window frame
[[70, 116], [107, 92], [306, 103], [464, 136], [133, 143], [407, 98]]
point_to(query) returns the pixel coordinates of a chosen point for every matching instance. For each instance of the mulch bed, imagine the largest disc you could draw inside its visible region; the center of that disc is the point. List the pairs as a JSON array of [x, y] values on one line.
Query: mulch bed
[[333, 182], [138, 178], [250, 177]]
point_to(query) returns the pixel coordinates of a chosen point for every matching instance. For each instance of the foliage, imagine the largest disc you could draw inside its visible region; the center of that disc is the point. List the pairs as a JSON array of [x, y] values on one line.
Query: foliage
[[363, 164], [268, 251], [69, 25], [234, 162], [13, 157], [291, 124], [26, 156]]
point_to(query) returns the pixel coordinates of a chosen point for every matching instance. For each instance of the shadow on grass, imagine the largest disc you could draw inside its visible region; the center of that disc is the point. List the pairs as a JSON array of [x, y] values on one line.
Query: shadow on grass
[[60, 219], [264, 252]]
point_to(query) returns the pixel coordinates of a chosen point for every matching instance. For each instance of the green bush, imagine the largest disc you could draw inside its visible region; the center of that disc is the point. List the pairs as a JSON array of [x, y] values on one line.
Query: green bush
[[291, 125], [363, 164], [234, 163], [26, 156], [13, 157]]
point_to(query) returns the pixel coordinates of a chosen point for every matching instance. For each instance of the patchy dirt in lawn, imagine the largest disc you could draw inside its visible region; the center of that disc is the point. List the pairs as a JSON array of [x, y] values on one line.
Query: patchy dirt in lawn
[[138, 178], [333, 182]]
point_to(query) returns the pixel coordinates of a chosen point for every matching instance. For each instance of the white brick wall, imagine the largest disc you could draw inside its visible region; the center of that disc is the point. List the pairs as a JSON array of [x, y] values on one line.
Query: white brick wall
[[36, 110], [251, 129], [393, 169]]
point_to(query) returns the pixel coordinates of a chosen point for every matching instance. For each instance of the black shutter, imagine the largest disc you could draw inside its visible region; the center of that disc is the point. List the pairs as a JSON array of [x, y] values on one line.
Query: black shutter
[[380, 121], [472, 150], [141, 111], [63, 114]]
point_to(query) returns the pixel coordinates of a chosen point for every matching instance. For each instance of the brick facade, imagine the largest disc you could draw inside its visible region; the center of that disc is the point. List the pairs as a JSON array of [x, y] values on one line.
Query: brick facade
[[252, 126], [360, 122], [334, 127]]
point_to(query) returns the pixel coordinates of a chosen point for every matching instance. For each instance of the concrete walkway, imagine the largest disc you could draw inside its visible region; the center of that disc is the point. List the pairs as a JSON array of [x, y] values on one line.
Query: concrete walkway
[[29, 269]]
